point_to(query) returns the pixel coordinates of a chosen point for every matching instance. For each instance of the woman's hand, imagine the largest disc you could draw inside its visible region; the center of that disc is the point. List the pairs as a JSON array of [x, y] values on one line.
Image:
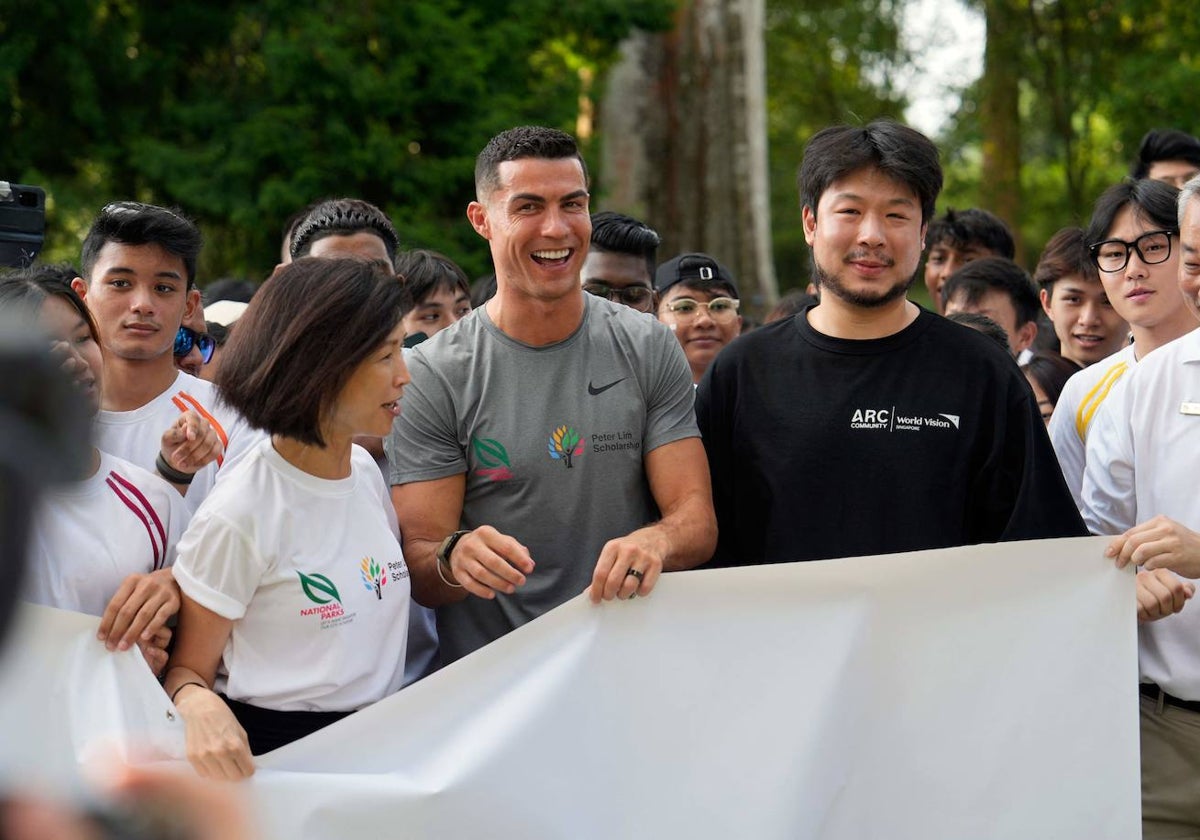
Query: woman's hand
[[217, 745]]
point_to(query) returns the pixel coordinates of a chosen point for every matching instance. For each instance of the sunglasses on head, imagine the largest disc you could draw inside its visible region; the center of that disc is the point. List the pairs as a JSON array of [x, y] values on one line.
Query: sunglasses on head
[[187, 338]]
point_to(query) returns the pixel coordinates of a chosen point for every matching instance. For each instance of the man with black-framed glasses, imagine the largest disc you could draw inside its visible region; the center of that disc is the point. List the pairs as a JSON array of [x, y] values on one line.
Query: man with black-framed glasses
[[139, 282], [620, 261], [698, 300]]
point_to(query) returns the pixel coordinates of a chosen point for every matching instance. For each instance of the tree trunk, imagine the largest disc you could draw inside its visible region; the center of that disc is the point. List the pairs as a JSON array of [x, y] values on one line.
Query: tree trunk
[[1000, 118], [685, 148]]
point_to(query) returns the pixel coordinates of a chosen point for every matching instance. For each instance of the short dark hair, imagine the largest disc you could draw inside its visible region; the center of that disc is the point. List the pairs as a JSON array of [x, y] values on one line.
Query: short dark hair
[[526, 141], [134, 223], [1066, 254], [425, 272], [344, 217], [978, 277], [1051, 372], [982, 324], [788, 305], [1153, 201], [229, 288], [301, 338], [902, 153], [1164, 144], [26, 289], [973, 226], [617, 233]]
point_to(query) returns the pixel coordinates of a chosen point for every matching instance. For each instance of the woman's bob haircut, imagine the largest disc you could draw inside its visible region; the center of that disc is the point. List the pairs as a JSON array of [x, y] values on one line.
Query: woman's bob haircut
[[302, 337]]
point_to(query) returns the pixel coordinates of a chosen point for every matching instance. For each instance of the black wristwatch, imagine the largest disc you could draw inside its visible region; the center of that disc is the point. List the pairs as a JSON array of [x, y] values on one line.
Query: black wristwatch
[[447, 546]]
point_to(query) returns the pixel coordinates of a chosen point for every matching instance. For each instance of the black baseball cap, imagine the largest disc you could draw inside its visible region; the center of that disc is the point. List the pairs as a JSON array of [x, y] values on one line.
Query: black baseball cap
[[693, 269]]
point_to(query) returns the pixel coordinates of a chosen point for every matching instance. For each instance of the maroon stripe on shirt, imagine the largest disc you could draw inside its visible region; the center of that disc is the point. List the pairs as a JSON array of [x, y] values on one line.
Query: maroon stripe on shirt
[[132, 488], [139, 513]]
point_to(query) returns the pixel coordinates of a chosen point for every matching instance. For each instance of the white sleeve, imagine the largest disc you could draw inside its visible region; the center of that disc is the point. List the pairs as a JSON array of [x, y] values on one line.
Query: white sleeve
[[1069, 448], [217, 566], [1109, 492]]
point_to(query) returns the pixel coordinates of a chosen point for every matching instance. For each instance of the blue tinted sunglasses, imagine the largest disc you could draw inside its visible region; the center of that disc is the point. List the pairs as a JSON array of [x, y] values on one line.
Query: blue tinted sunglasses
[[186, 338]]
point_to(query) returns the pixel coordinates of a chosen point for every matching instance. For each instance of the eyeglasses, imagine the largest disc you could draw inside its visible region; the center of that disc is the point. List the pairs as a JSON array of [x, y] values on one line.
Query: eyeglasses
[[1112, 255], [187, 337], [638, 297], [722, 309]]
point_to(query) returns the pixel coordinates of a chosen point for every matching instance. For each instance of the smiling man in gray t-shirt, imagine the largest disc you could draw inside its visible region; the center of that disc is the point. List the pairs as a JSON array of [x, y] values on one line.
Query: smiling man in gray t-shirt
[[547, 443]]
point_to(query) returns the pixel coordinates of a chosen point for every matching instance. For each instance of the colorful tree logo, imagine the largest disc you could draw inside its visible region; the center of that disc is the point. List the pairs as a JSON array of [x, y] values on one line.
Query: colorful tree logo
[[373, 576], [565, 444], [494, 457], [317, 587]]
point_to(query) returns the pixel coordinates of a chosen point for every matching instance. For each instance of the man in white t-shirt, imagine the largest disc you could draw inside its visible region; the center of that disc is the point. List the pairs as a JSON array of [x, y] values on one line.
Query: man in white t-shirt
[[1140, 483], [1140, 283], [139, 282]]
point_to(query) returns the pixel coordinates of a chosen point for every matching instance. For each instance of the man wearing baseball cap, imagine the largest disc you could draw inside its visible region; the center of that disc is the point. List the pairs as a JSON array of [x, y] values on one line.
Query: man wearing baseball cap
[[698, 300]]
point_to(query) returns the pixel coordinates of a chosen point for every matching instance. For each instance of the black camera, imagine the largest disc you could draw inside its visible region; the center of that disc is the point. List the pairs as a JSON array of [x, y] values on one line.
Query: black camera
[[22, 224]]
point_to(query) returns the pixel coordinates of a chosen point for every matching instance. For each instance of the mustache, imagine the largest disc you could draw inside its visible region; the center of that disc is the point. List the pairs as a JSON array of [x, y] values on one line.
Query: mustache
[[873, 256]]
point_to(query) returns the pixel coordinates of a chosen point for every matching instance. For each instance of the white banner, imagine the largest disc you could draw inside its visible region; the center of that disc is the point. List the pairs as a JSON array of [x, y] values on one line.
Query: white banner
[[984, 692]]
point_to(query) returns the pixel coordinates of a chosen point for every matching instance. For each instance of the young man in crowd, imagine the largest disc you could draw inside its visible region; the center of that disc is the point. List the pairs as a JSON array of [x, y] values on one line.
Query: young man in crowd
[[139, 282], [698, 301], [548, 443], [865, 424], [1001, 290], [1140, 484], [441, 293], [1133, 241], [620, 262], [958, 237], [346, 227], [1167, 155], [1088, 327]]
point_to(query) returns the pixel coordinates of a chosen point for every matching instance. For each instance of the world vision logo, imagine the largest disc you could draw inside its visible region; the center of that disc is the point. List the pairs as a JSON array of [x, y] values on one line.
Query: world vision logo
[[888, 419], [374, 578], [494, 457], [322, 592], [565, 444]]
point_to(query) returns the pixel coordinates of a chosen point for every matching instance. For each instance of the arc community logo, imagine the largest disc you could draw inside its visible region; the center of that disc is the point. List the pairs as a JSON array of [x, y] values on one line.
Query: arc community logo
[[891, 420]]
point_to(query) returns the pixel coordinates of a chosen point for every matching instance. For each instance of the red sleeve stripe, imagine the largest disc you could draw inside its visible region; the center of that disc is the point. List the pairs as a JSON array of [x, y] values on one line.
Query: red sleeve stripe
[[183, 401], [140, 514], [132, 488]]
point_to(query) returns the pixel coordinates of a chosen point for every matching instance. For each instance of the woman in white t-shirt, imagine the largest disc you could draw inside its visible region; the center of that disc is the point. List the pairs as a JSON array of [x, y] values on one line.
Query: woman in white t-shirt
[[103, 544], [295, 590]]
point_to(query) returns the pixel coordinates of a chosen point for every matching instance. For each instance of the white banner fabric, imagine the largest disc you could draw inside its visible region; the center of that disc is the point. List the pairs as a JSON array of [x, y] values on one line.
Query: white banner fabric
[[982, 692]]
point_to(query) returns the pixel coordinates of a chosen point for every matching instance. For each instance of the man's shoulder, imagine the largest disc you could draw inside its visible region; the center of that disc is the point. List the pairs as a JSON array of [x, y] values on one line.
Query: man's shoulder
[[1107, 370]]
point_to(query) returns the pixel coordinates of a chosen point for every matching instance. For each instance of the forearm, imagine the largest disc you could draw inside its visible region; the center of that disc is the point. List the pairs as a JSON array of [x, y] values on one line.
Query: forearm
[[428, 587], [687, 536], [178, 676]]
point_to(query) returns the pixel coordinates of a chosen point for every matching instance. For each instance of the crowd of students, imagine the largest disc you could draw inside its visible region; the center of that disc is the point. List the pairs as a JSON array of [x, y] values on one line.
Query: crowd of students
[[599, 418]]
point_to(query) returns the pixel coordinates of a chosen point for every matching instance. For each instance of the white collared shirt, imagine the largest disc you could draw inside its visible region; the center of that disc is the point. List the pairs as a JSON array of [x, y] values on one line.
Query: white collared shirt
[[1143, 459]]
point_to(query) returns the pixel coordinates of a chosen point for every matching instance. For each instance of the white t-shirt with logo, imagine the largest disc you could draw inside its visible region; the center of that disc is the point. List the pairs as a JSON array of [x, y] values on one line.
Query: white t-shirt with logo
[[136, 435], [311, 573], [88, 536]]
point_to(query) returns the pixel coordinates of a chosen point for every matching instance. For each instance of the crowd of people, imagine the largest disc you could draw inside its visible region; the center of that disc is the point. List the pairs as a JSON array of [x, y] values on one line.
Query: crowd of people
[[309, 494]]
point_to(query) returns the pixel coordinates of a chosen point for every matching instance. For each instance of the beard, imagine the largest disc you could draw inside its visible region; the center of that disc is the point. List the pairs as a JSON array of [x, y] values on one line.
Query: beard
[[868, 298]]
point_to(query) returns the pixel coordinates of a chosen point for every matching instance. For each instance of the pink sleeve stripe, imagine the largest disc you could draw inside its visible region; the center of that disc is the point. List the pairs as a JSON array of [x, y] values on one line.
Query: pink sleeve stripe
[[132, 505], [132, 488]]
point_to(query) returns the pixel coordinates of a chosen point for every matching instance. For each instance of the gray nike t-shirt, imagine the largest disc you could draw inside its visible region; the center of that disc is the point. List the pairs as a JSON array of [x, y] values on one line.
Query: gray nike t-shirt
[[552, 441]]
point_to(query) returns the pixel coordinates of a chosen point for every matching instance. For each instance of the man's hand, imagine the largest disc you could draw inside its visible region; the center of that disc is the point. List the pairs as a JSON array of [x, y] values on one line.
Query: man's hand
[[485, 562], [190, 443], [1159, 543], [139, 609], [1161, 593], [628, 566], [154, 650]]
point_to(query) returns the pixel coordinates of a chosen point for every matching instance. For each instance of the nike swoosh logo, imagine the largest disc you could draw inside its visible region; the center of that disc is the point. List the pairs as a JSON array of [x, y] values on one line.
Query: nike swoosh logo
[[594, 391]]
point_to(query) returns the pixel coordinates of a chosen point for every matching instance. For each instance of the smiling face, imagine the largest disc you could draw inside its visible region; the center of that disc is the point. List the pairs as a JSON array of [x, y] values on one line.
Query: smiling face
[[700, 334], [536, 221], [1146, 296], [1088, 327], [370, 399], [74, 340], [138, 296], [867, 236]]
